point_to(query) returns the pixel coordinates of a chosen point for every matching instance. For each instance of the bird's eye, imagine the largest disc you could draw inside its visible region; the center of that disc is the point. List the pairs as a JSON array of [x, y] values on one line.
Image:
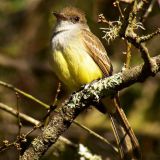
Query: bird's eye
[[76, 18]]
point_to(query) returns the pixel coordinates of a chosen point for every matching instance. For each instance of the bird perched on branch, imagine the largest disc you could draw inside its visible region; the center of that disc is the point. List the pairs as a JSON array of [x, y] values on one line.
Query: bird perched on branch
[[78, 58]]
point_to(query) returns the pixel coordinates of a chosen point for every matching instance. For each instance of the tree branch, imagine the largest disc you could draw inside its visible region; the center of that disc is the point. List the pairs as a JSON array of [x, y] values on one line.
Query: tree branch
[[32, 121], [91, 94], [24, 94], [14, 113]]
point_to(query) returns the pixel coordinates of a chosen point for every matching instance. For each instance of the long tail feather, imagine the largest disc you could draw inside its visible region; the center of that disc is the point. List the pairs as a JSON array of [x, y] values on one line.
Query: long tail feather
[[127, 142]]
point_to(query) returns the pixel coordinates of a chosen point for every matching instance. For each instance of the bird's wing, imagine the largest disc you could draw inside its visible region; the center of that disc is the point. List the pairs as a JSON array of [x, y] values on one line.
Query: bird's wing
[[127, 141], [97, 51]]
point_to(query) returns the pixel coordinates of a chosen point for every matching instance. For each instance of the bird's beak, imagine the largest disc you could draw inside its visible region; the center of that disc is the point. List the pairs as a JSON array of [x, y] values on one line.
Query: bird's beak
[[59, 16]]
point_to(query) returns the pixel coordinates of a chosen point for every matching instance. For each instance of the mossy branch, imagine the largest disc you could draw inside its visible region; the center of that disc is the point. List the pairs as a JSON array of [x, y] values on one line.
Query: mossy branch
[[92, 93]]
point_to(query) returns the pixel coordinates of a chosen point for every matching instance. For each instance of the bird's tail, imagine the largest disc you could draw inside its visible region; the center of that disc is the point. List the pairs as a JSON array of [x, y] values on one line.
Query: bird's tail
[[127, 142]]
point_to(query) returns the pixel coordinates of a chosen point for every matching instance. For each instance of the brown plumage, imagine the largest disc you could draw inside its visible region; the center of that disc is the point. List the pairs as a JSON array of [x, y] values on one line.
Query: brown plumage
[[127, 141]]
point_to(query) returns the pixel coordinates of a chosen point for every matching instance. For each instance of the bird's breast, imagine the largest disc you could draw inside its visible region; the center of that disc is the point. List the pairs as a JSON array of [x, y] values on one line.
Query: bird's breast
[[71, 62]]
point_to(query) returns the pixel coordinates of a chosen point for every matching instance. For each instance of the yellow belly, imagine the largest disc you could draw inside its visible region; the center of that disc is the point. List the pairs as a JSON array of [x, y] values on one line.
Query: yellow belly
[[74, 67]]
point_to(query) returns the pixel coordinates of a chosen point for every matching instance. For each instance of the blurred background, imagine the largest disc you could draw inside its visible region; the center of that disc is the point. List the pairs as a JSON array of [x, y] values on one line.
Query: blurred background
[[25, 36]]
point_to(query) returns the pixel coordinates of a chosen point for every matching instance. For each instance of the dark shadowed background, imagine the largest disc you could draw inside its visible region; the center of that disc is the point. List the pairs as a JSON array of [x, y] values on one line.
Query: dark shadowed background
[[25, 36]]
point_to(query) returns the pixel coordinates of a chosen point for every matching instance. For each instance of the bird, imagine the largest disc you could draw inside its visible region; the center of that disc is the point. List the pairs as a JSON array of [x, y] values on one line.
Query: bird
[[78, 57]]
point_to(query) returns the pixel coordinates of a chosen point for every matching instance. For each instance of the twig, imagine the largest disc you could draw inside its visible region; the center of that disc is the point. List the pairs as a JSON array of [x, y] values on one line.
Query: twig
[[54, 105], [19, 124], [143, 49], [116, 4], [18, 117], [127, 31], [24, 94], [57, 94], [115, 149], [148, 37], [7, 145], [37, 124], [133, 20], [128, 55], [30, 120], [22, 115], [149, 10], [102, 19]]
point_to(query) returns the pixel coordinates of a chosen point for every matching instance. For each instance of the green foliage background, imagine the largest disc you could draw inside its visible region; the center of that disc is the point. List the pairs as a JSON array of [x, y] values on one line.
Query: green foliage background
[[25, 36]]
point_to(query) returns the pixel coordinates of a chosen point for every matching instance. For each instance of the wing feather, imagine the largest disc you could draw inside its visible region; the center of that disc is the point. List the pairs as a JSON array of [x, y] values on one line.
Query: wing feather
[[97, 52]]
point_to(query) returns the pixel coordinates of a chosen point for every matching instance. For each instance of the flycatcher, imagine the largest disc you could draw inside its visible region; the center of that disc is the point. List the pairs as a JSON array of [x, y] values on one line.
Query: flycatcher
[[78, 58]]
